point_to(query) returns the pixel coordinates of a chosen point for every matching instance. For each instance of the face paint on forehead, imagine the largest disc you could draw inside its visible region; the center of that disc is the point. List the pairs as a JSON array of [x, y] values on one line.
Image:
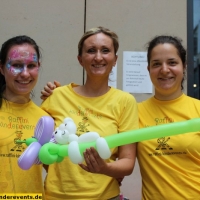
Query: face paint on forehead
[[24, 55]]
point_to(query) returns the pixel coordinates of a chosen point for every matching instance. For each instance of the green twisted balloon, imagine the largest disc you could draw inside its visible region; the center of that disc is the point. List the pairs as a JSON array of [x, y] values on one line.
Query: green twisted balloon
[[50, 152]]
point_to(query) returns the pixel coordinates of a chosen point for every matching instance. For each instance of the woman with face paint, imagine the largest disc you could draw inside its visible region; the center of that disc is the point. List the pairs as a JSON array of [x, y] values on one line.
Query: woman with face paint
[[19, 67], [97, 107], [170, 166]]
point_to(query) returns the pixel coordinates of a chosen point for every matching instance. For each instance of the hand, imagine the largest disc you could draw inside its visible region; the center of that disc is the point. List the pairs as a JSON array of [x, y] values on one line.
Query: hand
[[48, 89], [94, 163]]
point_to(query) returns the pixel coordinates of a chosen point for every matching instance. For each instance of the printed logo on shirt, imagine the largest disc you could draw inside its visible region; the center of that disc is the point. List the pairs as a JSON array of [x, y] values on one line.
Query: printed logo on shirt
[[8, 121], [164, 120], [13, 129], [85, 112], [18, 145], [162, 145], [82, 126]]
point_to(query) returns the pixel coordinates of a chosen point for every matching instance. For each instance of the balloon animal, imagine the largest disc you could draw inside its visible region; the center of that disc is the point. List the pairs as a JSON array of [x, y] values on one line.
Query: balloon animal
[[66, 134], [49, 153]]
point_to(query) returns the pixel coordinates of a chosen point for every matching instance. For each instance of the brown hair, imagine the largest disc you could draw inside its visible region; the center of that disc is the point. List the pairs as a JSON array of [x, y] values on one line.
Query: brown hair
[[94, 31]]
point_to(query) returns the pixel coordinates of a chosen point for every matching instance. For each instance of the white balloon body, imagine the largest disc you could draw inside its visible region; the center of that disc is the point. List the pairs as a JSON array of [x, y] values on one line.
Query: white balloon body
[[88, 137], [101, 144], [74, 153], [66, 134], [73, 137], [103, 148]]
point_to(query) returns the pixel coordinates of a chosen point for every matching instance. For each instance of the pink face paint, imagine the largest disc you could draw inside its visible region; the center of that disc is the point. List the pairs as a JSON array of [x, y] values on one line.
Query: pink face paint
[[24, 55], [18, 61]]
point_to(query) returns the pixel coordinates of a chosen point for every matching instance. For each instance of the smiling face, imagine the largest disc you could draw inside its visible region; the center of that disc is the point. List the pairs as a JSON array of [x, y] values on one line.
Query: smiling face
[[98, 56], [20, 71], [166, 71]]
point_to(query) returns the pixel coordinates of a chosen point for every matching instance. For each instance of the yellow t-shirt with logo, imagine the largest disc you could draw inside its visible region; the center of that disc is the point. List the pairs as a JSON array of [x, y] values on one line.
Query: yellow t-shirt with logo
[[170, 166], [111, 113], [17, 122]]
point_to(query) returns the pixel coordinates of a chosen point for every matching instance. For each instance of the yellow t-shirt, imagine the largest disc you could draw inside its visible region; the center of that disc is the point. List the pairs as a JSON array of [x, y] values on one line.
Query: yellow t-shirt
[[170, 166], [17, 122], [111, 113]]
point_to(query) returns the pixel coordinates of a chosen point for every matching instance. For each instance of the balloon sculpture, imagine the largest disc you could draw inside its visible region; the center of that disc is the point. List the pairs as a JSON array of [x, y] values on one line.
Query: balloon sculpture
[[66, 134], [49, 152]]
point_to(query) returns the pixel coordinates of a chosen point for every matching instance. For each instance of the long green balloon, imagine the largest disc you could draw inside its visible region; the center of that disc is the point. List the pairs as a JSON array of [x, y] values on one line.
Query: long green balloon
[[142, 134]]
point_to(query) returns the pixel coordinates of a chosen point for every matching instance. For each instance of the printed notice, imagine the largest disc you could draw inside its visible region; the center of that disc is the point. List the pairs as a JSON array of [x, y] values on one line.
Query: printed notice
[[135, 74]]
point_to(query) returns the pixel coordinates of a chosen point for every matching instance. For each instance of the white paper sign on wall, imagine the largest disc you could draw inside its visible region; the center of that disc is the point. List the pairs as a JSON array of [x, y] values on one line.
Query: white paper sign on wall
[[135, 74]]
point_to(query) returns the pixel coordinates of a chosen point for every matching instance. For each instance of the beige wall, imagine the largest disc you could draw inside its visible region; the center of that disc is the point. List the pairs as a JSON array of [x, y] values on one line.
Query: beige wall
[[58, 25], [136, 22]]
